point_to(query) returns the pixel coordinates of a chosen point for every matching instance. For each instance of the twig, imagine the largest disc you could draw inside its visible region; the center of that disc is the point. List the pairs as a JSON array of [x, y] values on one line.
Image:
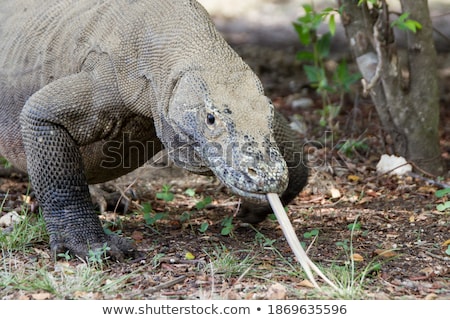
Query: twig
[[123, 195], [437, 256], [369, 84], [430, 181], [164, 285]]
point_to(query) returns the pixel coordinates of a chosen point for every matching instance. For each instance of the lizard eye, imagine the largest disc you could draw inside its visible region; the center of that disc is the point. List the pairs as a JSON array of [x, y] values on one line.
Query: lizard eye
[[210, 119]]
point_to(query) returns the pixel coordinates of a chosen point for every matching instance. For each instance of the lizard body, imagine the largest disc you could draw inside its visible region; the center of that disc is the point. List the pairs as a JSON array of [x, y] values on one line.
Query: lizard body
[[90, 90]]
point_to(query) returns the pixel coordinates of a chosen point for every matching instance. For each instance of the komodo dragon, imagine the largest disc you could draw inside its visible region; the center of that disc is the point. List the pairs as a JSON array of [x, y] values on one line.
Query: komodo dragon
[[91, 90]]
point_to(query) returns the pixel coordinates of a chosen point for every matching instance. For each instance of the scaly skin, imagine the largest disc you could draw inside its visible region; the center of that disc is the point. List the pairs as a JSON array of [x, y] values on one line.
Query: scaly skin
[[90, 90]]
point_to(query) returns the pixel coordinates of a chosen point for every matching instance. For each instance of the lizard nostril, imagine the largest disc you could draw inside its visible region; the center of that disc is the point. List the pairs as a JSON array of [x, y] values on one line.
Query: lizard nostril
[[252, 172]]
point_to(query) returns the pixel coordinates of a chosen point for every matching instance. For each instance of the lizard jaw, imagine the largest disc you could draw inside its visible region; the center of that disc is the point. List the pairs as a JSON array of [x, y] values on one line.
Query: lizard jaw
[[250, 196]]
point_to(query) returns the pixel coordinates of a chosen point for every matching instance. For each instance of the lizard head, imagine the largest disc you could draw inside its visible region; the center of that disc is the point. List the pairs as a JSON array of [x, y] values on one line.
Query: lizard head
[[225, 125]]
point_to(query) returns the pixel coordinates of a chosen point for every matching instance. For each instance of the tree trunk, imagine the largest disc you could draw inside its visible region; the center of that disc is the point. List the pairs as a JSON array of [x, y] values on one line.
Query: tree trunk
[[405, 93]]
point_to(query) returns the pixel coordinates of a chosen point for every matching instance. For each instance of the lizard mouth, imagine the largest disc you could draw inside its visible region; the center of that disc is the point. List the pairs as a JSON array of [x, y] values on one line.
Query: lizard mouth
[[250, 196]]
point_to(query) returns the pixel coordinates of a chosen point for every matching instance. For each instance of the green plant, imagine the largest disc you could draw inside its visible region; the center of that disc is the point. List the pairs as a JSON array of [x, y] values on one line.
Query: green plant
[[227, 226], [230, 263], [403, 23], [97, 256], [203, 203], [65, 255], [30, 230], [262, 240], [149, 215], [307, 28], [355, 226], [441, 194], [351, 146], [4, 163], [166, 194], [190, 192], [311, 234], [203, 227]]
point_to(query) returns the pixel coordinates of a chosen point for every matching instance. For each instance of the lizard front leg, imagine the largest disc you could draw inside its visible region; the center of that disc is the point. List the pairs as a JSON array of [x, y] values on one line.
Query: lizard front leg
[[55, 121]]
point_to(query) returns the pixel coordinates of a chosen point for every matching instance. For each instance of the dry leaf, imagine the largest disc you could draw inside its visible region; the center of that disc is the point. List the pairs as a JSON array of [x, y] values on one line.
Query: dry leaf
[[353, 178], [357, 257], [41, 296], [427, 271], [189, 256], [385, 253], [335, 193], [427, 189], [306, 283], [446, 243], [137, 236], [431, 296], [276, 292], [42, 253]]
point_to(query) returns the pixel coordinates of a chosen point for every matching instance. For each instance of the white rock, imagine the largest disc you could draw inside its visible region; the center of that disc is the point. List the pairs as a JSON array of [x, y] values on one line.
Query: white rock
[[393, 165], [302, 103], [9, 219]]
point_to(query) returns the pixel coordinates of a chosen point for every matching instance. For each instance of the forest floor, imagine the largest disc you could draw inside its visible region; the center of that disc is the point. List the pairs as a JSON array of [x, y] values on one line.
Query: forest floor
[[376, 236]]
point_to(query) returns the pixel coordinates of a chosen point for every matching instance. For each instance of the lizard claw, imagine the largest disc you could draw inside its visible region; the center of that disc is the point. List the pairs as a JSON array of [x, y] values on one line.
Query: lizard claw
[[112, 247]]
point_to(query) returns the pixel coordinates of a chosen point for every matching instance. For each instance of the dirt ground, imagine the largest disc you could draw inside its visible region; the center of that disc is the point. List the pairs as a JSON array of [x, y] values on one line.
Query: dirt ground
[[399, 244]]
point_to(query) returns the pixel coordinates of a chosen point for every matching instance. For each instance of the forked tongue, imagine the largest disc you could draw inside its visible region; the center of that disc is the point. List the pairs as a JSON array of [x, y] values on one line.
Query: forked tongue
[[294, 243]]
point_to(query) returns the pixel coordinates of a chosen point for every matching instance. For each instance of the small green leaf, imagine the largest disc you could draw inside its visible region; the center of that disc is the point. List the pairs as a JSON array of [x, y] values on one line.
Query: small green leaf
[[305, 56], [443, 206], [202, 204], [324, 45], [332, 25], [311, 234], [448, 250], [342, 244], [190, 192], [226, 230], [443, 192], [413, 25], [403, 23], [354, 226], [314, 74], [303, 33], [147, 207], [203, 227]]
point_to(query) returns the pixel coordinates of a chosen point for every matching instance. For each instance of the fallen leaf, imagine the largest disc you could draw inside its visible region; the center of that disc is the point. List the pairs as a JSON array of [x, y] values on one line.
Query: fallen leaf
[[427, 189], [42, 253], [431, 296], [137, 236], [411, 219], [306, 283], [357, 257], [427, 271], [276, 292], [335, 193], [446, 243], [353, 178], [365, 200], [189, 256], [41, 296], [385, 253]]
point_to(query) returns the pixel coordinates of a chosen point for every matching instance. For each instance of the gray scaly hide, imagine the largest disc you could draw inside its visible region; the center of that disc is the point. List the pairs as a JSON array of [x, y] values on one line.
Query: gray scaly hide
[[90, 90]]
